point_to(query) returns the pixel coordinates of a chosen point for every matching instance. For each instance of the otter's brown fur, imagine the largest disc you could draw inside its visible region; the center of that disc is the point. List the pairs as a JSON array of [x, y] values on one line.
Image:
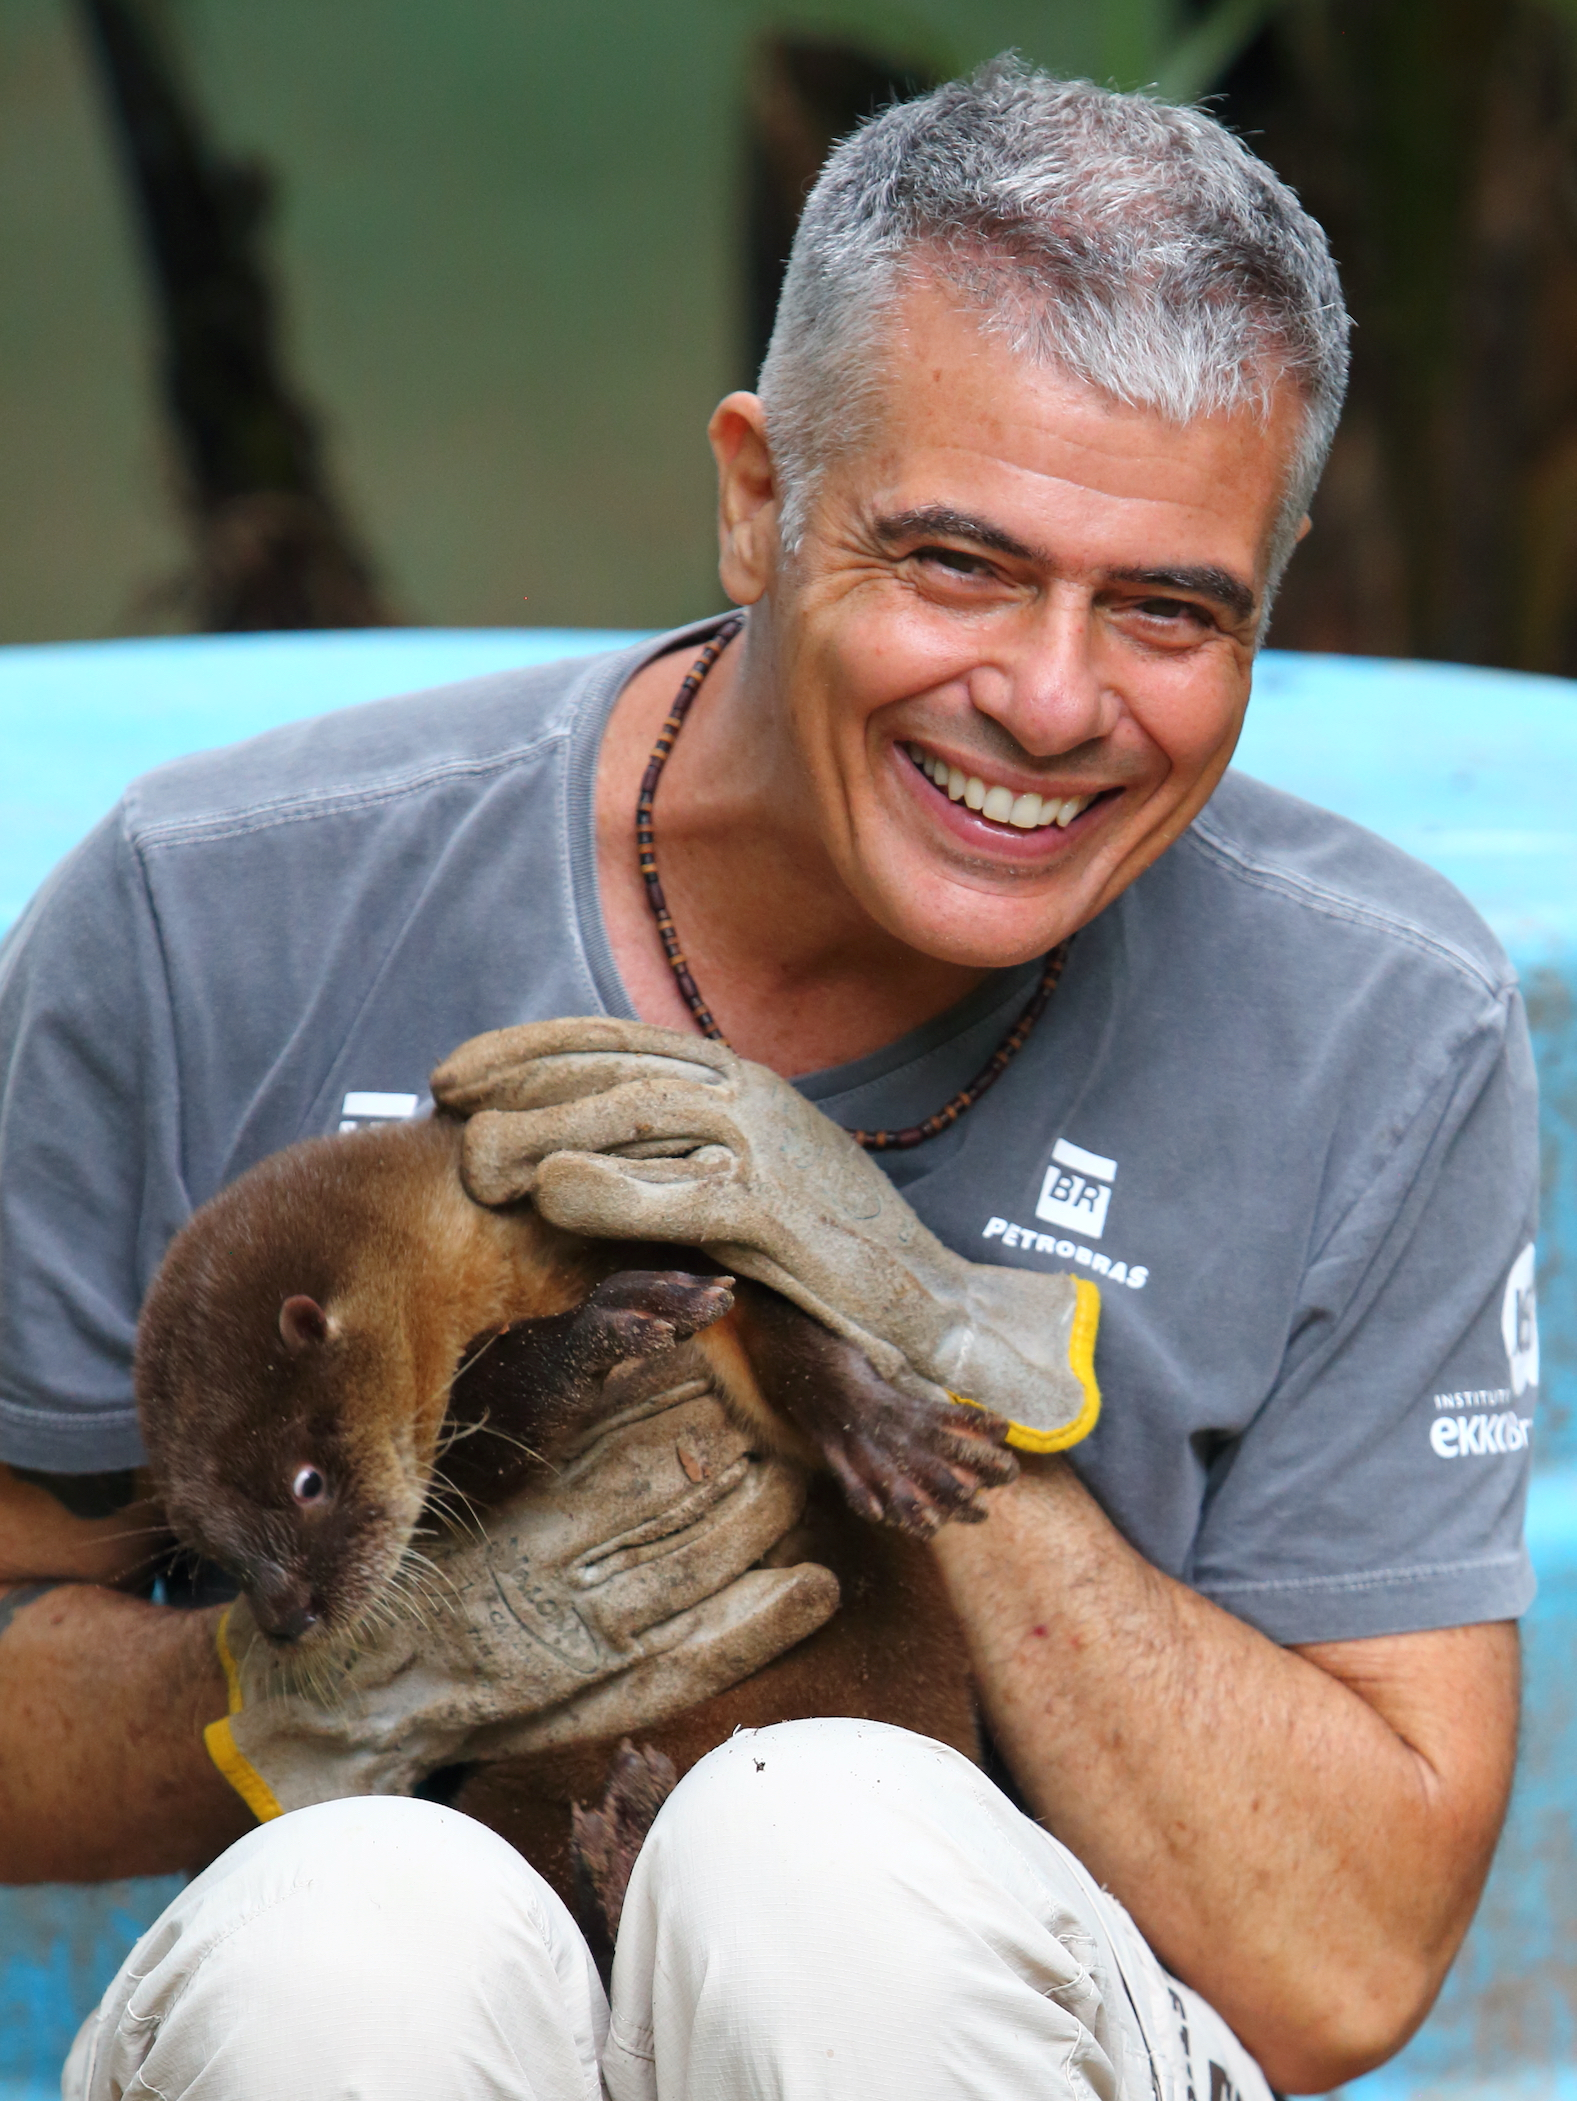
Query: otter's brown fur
[[405, 1281]]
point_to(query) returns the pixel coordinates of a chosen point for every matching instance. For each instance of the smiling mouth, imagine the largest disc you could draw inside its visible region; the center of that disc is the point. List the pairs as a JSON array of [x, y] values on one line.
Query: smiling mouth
[[999, 805]]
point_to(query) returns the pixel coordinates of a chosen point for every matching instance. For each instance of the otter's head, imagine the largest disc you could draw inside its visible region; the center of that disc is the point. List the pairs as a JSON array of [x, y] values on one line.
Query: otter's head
[[284, 1400]]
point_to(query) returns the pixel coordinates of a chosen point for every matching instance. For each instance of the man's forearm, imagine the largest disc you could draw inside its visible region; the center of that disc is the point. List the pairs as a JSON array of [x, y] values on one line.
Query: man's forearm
[[103, 1773], [1306, 1857]]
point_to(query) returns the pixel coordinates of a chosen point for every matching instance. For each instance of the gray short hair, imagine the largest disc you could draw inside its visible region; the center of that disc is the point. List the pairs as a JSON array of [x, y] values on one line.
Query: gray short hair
[[1138, 246]]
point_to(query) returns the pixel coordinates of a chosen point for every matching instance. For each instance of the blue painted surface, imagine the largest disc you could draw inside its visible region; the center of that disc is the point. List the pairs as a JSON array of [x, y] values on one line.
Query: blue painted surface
[[1507, 2019], [78, 720], [1475, 772], [59, 1947]]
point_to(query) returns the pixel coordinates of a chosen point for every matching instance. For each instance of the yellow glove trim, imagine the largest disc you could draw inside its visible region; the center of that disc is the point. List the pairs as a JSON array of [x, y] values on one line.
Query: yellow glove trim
[[221, 1746], [1081, 1362]]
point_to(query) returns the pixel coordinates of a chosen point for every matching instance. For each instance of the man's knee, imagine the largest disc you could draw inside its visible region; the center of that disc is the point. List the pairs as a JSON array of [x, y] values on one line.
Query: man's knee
[[344, 1936], [368, 1884], [825, 1825], [848, 1891], [805, 1798]]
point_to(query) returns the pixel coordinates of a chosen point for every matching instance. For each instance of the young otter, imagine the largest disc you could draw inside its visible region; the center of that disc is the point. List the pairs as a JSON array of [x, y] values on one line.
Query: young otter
[[342, 1338]]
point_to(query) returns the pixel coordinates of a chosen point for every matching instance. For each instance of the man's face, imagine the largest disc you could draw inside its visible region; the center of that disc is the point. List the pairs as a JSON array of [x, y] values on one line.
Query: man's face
[[1015, 644]]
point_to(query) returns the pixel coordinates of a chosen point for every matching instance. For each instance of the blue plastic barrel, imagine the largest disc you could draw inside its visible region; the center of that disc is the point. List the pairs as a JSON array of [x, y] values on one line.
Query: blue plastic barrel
[[1475, 772]]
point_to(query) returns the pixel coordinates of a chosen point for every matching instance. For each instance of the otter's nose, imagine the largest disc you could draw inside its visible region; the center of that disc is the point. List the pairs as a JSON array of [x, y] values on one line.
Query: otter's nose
[[284, 1610]]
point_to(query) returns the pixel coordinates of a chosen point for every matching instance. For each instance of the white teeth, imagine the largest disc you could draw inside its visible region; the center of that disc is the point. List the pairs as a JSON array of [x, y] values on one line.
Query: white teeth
[[1026, 813]]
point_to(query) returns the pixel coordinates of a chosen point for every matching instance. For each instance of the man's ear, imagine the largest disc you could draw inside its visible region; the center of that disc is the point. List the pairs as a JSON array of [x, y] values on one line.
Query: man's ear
[[1305, 526], [747, 497]]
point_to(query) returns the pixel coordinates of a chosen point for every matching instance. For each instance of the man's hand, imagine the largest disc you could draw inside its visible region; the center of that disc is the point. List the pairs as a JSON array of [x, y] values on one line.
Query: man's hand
[[615, 1590], [1302, 1837], [102, 1702], [624, 1131]]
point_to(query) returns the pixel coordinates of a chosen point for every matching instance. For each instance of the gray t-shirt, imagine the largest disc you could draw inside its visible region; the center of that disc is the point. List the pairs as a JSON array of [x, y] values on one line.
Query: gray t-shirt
[[1282, 1106]]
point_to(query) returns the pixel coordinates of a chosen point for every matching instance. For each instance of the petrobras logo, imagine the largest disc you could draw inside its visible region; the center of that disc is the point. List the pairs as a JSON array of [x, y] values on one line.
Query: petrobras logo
[[1135, 1275], [1077, 1190], [1519, 1323]]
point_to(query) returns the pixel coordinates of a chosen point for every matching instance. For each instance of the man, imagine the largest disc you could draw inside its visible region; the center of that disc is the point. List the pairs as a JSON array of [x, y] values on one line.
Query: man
[[1053, 378]]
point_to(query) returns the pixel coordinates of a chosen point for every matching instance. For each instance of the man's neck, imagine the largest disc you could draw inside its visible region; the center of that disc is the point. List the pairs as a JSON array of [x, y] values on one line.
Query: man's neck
[[796, 973]]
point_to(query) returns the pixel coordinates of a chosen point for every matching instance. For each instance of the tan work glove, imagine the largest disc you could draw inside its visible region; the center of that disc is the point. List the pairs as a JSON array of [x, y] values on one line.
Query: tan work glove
[[610, 1594], [620, 1130]]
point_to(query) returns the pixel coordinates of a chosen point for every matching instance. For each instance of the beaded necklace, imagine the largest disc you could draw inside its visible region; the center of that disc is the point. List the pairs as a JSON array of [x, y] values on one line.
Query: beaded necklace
[[646, 851]]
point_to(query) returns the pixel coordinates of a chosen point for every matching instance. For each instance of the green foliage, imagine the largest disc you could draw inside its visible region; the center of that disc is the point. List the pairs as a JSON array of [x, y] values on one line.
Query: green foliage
[[1198, 58]]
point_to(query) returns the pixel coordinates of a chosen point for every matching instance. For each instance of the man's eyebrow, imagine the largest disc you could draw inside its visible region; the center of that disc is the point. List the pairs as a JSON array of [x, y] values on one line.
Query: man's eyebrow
[[1204, 582], [954, 525]]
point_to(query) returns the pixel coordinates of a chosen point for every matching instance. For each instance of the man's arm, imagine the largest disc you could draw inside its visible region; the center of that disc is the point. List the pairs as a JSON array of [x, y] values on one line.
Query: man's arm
[[103, 1698], [1301, 1835]]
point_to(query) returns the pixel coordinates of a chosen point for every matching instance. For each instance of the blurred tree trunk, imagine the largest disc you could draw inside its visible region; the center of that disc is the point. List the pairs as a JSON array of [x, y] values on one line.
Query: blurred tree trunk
[[273, 547], [1437, 141], [806, 93]]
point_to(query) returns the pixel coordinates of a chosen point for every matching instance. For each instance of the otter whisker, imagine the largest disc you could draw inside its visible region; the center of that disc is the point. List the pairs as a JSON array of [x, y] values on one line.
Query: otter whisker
[[456, 1429], [448, 1488], [456, 1432], [440, 1523], [482, 1427], [182, 1560], [113, 1539], [414, 1562], [321, 1686], [406, 1602], [434, 1588], [381, 1613], [466, 1363], [407, 1577]]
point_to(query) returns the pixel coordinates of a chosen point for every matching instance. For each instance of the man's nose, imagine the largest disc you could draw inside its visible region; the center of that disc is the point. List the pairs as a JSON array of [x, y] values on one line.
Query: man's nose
[[1047, 688]]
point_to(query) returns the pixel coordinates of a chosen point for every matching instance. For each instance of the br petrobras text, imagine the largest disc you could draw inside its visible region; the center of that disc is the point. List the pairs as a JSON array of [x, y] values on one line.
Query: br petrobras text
[[1026, 1237]]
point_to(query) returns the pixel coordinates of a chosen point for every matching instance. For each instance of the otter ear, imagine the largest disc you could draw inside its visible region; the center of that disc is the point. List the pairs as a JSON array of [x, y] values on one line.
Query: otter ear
[[303, 1323]]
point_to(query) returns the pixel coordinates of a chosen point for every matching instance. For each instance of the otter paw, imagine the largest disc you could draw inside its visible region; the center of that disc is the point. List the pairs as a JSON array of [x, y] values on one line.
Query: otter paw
[[638, 1312], [922, 1465], [910, 1462], [604, 1842], [913, 1463]]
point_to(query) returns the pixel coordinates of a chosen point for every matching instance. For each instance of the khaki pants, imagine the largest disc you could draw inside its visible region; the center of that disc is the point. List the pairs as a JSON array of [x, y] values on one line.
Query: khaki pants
[[822, 1909]]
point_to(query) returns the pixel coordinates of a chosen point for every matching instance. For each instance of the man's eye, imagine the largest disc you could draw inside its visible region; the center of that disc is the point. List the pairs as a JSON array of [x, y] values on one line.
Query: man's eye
[[953, 559], [1170, 609]]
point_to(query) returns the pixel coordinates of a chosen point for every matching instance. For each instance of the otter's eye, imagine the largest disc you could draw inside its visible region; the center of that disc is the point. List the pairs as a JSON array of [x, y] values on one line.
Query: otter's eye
[[309, 1485]]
